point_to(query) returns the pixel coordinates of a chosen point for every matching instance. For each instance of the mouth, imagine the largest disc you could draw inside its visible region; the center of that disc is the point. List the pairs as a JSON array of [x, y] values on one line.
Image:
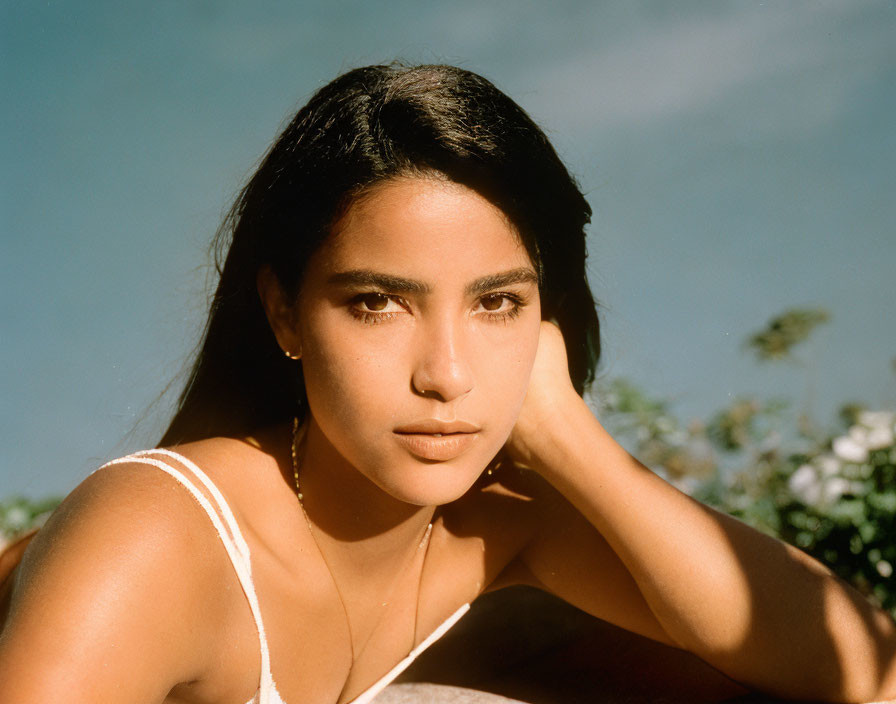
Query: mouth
[[435, 440]]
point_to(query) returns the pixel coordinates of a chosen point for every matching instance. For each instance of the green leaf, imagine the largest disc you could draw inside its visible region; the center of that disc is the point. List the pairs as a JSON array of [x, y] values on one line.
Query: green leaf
[[785, 331]]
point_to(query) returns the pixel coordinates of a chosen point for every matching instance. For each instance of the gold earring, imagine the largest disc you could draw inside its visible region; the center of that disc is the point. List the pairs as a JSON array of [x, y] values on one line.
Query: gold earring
[[291, 355]]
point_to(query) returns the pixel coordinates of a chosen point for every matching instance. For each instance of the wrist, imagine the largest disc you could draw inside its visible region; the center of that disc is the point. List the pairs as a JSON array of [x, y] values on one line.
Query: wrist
[[548, 440]]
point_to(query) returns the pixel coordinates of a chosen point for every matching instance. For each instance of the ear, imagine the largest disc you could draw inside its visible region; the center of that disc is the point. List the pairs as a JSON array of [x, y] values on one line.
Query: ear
[[281, 312]]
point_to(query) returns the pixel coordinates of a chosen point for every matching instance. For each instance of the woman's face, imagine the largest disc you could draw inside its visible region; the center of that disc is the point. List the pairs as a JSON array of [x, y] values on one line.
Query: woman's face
[[418, 321]]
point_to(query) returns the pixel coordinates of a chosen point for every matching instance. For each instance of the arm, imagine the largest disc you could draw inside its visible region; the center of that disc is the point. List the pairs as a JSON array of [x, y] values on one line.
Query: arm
[[762, 612], [107, 603]]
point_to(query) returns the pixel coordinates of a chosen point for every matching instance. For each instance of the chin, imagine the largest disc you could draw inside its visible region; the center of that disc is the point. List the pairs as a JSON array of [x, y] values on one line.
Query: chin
[[432, 484]]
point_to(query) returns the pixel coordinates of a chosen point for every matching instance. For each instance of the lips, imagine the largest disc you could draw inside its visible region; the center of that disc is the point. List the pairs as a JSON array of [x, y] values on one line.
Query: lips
[[436, 440], [438, 427]]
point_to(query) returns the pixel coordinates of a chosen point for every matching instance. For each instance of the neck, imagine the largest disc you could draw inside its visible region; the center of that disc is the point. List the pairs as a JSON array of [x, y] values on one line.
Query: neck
[[348, 508]]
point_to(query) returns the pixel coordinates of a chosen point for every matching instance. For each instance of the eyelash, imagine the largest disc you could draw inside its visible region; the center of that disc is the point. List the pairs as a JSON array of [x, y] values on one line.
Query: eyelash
[[373, 318]]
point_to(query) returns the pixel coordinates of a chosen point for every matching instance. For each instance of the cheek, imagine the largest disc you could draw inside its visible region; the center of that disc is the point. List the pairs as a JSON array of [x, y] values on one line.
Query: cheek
[[343, 383], [354, 381]]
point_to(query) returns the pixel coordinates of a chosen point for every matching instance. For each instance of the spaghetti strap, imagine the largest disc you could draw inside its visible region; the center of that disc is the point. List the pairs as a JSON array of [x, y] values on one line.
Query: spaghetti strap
[[387, 679], [222, 518], [232, 539], [220, 501]]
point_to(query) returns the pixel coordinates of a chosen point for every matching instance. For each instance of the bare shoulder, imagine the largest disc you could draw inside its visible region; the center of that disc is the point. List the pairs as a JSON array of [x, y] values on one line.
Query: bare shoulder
[[120, 576], [114, 512]]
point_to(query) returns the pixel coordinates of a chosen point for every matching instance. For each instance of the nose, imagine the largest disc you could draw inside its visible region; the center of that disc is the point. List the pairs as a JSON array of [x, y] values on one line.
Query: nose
[[442, 370]]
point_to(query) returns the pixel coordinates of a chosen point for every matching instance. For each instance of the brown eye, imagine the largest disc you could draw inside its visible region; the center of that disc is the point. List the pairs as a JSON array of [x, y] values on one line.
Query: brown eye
[[375, 301], [492, 302]]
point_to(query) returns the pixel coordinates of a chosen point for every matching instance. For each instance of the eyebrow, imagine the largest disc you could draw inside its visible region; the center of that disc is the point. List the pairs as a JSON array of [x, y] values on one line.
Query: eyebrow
[[523, 275], [387, 282], [398, 284]]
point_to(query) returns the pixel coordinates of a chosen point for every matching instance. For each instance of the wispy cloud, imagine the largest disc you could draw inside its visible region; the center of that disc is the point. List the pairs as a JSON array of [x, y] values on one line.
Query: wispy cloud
[[696, 65]]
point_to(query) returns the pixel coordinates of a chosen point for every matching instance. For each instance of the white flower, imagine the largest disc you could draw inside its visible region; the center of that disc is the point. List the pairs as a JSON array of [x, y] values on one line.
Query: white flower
[[849, 449], [877, 419], [17, 518], [836, 487], [818, 483], [878, 438], [805, 484], [874, 430], [828, 465]]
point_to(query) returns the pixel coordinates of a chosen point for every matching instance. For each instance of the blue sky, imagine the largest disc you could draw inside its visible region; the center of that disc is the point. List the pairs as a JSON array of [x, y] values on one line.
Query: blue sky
[[739, 158]]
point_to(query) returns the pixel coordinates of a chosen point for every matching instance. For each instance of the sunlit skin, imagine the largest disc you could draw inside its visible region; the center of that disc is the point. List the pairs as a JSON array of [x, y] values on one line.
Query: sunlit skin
[[424, 353]]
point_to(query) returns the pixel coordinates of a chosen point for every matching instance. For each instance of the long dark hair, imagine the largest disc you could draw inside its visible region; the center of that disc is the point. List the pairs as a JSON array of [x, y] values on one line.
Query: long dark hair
[[368, 125]]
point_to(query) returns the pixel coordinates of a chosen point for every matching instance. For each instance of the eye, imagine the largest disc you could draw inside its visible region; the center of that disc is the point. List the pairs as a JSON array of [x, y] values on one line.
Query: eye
[[493, 302], [374, 302], [499, 306], [375, 307]]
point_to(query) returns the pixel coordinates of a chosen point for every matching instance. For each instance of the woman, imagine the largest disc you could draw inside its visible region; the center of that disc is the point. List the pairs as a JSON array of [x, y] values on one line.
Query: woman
[[382, 424]]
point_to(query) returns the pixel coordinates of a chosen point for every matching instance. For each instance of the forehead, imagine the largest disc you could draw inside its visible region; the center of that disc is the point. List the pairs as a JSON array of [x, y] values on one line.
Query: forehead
[[422, 226]]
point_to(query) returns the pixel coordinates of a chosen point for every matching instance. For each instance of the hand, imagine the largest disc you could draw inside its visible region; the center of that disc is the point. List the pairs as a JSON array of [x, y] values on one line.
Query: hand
[[548, 399]]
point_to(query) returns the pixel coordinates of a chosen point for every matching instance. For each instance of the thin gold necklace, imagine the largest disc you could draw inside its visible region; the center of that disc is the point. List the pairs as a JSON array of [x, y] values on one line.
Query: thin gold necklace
[[424, 542]]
